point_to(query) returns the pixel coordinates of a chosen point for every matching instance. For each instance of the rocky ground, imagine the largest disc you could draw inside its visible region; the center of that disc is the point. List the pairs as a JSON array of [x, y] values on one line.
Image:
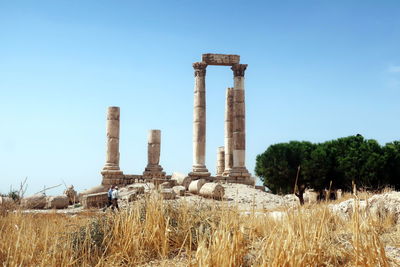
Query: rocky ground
[[245, 197]]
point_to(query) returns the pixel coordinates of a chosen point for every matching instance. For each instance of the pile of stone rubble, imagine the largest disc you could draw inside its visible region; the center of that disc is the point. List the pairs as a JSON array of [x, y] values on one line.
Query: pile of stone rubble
[[382, 205], [41, 201], [179, 185]]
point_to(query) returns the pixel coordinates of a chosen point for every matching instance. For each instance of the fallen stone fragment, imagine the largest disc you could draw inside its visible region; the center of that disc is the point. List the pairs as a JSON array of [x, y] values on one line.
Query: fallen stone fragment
[[383, 205], [196, 185], [179, 190], [136, 187], [93, 190], [37, 201], [165, 185], [181, 179], [57, 202], [212, 190], [167, 193], [98, 200]]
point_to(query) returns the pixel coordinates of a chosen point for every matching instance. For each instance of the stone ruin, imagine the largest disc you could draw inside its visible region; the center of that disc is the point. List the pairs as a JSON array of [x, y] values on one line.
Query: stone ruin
[[231, 166], [230, 158]]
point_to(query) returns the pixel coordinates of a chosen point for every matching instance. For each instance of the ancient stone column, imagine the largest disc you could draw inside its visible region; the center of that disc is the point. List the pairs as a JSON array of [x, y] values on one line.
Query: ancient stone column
[[153, 169], [111, 172], [112, 156], [199, 122], [239, 122], [220, 160], [228, 132]]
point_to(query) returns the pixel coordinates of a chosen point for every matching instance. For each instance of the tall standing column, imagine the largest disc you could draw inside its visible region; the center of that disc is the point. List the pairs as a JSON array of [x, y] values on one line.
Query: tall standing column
[[153, 169], [228, 132], [239, 122], [220, 160], [111, 171], [112, 156], [199, 122]]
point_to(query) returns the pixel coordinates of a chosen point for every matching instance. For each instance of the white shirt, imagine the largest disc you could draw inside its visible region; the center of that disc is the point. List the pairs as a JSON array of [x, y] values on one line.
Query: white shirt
[[114, 194]]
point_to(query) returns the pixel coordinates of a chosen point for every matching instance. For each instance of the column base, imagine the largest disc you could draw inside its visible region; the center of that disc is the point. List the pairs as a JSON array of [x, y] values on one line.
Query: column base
[[153, 171], [199, 168], [239, 172], [111, 167], [112, 177], [226, 172]]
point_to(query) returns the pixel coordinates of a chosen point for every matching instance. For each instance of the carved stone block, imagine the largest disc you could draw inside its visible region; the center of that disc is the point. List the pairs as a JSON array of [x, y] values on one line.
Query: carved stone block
[[221, 59]]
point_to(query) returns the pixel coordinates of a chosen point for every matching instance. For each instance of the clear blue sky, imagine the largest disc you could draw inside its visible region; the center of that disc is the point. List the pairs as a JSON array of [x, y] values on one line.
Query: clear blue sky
[[318, 70]]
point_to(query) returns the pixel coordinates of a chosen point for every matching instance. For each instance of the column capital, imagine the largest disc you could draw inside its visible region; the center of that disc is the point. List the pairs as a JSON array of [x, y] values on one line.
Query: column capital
[[199, 69], [238, 70]]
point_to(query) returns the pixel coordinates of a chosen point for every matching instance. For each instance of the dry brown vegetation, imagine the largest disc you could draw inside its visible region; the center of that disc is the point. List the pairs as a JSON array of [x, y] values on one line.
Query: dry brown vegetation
[[159, 233]]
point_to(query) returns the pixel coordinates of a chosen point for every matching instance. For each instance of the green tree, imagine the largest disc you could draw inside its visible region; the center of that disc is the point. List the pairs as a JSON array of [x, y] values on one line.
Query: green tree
[[359, 160], [339, 161], [277, 167], [391, 154]]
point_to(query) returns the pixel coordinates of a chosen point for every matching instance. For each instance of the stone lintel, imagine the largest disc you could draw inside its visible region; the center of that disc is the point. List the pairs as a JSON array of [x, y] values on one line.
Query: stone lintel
[[221, 59]]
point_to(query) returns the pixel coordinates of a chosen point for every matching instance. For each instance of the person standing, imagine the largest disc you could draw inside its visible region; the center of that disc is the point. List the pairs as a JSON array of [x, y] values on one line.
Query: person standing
[[109, 195], [114, 198]]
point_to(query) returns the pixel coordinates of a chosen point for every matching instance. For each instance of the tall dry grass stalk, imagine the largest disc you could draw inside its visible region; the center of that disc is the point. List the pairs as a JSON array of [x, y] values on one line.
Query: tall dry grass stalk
[[172, 233]]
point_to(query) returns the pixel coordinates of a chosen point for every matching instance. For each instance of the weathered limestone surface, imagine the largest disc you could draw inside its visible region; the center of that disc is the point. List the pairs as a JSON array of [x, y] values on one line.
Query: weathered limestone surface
[[112, 156], [181, 179], [137, 188], [37, 201], [6, 200], [228, 132], [237, 180], [196, 185], [212, 190], [179, 190], [71, 194], [166, 185], [130, 179], [239, 123], [93, 190], [98, 200], [168, 193], [130, 193], [57, 202], [153, 169], [220, 160], [111, 168], [199, 122], [220, 59]]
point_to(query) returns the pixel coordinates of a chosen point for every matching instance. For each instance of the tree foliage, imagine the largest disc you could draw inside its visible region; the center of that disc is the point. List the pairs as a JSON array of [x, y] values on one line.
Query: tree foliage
[[342, 161]]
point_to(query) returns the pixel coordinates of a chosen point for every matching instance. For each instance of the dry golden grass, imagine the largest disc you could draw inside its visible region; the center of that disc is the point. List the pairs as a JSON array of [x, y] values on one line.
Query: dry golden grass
[[156, 233]]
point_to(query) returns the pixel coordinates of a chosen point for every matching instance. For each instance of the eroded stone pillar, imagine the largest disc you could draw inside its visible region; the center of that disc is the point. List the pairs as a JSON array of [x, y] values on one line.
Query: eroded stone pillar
[[153, 169], [199, 122], [228, 142], [112, 156], [239, 123], [111, 169], [220, 160]]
